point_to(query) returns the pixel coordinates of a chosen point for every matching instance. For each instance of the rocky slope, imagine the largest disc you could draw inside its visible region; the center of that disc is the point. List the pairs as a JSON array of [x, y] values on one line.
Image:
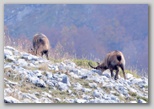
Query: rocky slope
[[75, 27], [31, 79]]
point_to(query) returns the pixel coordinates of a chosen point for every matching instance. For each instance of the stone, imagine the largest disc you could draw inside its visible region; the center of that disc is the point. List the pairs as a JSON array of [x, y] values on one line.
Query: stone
[[133, 102], [80, 101], [93, 85], [10, 58], [128, 75], [62, 86], [66, 80], [141, 101], [97, 94], [86, 90], [10, 99], [7, 52], [77, 86], [22, 62]]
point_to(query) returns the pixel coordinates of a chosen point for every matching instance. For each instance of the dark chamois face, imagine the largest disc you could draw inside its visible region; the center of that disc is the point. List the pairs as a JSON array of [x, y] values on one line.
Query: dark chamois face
[[101, 67]]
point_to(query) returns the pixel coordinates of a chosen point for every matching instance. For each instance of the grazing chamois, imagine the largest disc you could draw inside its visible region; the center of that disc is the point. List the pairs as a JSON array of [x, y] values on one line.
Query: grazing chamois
[[41, 45], [112, 61]]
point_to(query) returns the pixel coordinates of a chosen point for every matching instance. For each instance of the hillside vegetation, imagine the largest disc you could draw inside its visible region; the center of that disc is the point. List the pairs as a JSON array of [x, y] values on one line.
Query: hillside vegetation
[[32, 79]]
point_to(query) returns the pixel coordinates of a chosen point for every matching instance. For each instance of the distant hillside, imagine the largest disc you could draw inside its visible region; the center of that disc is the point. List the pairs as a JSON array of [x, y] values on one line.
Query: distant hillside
[[32, 79], [85, 31]]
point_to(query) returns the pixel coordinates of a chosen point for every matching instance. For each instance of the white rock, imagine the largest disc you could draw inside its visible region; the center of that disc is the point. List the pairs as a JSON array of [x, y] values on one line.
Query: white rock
[[84, 72], [10, 99], [17, 53], [38, 82], [93, 85], [55, 68], [128, 75], [142, 84], [107, 74], [86, 97], [69, 100], [70, 64], [121, 89], [26, 101], [45, 94], [115, 98], [58, 99], [80, 101], [86, 90], [66, 80], [38, 73], [69, 91], [7, 52], [141, 101], [97, 94], [7, 66], [49, 75], [74, 75], [22, 62], [62, 68], [136, 80], [78, 86], [133, 102], [97, 71], [10, 58], [132, 90], [97, 100], [45, 100], [99, 80], [26, 56], [62, 86], [50, 83], [10, 48], [32, 97], [31, 65]]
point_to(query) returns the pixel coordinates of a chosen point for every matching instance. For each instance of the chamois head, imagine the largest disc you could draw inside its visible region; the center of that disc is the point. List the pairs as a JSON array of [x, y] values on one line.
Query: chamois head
[[99, 66]]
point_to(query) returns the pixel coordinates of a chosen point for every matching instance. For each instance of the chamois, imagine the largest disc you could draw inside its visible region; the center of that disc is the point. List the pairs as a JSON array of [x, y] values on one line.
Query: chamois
[[112, 61], [41, 45]]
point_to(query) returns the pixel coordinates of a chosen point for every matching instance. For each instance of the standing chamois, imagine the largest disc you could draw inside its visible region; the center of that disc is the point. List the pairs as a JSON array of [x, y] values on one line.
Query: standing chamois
[[112, 61], [41, 45]]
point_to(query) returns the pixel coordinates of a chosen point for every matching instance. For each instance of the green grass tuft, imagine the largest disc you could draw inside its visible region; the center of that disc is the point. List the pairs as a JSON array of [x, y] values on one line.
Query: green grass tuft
[[84, 63]]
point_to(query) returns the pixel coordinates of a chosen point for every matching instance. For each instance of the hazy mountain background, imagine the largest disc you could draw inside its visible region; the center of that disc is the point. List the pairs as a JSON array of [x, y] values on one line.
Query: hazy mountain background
[[84, 31]]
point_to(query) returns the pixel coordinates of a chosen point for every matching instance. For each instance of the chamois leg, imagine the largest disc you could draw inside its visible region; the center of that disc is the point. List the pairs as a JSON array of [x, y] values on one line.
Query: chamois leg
[[116, 76], [36, 51], [47, 55], [111, 73], [122, 67], [46, 52], [42, 54]]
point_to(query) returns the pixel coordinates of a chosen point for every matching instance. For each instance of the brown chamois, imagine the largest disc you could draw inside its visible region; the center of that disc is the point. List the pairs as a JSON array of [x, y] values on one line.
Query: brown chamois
[[112, 61], [41, 45]]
